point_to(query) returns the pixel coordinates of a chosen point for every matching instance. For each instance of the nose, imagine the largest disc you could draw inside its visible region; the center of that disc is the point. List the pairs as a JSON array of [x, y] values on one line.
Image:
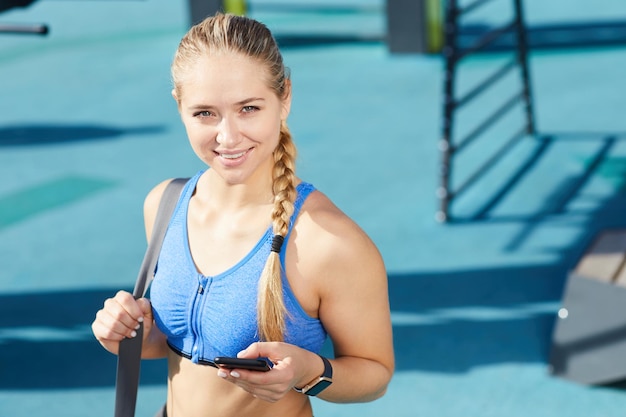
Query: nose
[[227, 132]]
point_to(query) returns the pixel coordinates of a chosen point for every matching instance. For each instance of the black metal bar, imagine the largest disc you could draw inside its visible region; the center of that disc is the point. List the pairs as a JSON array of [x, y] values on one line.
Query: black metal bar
[[493, 78], [472, 6], [490, 162], [487, 39], [199, 9], [445, 145], [522, 56], [11, 4], [485, 124], [453, 54], [24, 29], [407, 26]]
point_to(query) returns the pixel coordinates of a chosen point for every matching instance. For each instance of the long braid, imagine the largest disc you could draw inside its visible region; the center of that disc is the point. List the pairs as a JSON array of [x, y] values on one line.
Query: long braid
[[239, 34], [271, 309]]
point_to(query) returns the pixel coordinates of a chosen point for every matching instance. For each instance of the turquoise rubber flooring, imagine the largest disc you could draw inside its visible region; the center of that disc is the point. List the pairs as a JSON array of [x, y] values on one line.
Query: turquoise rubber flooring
[[88, 126]]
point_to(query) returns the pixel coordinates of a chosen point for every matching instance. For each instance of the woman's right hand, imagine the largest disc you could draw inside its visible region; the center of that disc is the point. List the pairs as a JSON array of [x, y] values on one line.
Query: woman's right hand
[[119, 318]]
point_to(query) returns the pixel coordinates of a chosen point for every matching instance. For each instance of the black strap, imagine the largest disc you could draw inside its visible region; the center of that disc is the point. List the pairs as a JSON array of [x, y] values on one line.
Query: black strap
[[129, 356]]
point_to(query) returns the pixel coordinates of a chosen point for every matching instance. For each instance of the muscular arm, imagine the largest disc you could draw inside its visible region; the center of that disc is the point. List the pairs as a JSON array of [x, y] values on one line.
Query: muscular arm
[[351, 280]]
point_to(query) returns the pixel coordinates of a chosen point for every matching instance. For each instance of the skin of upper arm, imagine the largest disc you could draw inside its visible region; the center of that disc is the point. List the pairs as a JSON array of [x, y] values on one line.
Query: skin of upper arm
[[151, 206], [351, 280], [154, 346]]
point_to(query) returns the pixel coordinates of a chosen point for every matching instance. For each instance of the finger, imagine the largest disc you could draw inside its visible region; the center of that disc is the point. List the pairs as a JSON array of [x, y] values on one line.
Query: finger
[[115, 313], [115, 322], [103, 330], [104, 333], [262, 390], [128, 302], [259, 349], [266, 384], [146, 309], [265, 392], [122, 314]]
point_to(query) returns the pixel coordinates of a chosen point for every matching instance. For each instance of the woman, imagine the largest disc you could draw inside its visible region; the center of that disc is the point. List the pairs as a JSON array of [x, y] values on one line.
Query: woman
[[255, 262]]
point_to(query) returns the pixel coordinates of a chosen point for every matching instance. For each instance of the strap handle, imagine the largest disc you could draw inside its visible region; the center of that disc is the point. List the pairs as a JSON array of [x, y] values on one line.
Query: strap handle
[[129, 355]]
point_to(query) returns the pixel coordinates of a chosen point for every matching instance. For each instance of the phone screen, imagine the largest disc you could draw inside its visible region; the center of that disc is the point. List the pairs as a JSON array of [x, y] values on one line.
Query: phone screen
[[259, 364]]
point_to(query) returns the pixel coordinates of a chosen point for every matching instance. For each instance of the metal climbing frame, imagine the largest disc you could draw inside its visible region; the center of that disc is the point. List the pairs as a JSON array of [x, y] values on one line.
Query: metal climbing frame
[[454, 54], [24, 29], [36, 29]]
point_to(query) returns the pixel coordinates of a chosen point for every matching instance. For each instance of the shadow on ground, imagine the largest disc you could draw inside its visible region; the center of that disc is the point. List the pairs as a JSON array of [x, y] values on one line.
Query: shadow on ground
[[454, 322], [46, 342], [21, 135], [599, 162], [447, 323]]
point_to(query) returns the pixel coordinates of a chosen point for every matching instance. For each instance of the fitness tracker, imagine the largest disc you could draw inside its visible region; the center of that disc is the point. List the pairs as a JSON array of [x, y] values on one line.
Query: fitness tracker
[[320, 383]]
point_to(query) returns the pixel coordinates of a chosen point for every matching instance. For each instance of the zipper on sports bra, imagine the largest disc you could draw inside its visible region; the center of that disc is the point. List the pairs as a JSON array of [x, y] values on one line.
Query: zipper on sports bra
[[196, 311]]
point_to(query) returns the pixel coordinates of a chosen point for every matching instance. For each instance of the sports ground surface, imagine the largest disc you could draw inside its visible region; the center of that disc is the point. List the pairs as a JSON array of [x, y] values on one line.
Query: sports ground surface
[[88, 126]]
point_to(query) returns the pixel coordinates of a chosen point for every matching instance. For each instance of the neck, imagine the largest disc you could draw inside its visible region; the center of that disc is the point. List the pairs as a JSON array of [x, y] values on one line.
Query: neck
[[256, 192]]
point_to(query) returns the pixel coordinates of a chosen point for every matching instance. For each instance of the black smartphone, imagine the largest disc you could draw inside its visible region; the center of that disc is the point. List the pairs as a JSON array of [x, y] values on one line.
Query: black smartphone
[[259, 364]]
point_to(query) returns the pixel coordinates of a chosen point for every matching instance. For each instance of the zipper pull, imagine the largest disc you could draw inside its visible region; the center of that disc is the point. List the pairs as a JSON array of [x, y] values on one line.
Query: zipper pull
[[200, 289]]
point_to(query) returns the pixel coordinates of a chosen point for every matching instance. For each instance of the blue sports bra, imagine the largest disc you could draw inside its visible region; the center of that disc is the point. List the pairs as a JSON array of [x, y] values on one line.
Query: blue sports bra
[[208, 316]]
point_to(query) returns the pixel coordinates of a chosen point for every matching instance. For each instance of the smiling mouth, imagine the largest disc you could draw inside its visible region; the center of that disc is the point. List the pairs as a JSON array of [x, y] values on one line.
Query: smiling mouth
[[232, 155]]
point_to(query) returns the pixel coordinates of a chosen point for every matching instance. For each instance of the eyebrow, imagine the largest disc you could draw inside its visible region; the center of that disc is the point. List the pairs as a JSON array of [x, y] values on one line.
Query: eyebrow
[[249, 100], [239, 103]]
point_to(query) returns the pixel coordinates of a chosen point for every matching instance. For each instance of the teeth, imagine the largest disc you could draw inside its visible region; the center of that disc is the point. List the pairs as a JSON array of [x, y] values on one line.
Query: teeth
[[233, 156]]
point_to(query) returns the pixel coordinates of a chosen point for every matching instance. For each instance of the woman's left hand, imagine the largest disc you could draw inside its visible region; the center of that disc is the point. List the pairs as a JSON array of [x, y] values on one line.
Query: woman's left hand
[[293, 366]]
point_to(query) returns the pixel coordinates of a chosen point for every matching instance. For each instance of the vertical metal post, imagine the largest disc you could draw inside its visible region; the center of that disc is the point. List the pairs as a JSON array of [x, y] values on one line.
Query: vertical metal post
[[445, 143], [238, 7], [406, 26], [199, 9], [522, 57], [434, 24]]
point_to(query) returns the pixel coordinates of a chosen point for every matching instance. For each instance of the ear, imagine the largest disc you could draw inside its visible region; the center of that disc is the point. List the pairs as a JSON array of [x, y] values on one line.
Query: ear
[[286, 101], [176, 98]]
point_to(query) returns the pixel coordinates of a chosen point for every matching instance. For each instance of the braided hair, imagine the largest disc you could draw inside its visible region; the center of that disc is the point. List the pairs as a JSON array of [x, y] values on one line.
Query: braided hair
[[246, 36]]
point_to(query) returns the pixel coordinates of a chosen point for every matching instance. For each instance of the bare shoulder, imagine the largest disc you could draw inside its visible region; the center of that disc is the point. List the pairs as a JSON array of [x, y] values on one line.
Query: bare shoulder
[[322, 217], [330, 243], [151, 205]]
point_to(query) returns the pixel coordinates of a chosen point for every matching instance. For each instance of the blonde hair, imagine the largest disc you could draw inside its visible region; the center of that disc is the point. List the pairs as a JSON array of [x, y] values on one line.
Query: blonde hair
[[242, 35]]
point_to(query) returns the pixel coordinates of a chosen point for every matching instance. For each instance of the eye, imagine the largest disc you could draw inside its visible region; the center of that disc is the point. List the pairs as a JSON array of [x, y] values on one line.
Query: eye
[[249, 109], [203, 113]]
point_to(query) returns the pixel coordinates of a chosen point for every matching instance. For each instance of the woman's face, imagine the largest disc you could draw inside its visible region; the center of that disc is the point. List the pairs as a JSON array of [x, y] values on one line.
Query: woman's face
[[231, 116]]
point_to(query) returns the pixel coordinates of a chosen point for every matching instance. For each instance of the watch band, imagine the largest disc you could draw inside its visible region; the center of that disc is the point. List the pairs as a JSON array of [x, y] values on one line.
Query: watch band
[[320, 383]]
